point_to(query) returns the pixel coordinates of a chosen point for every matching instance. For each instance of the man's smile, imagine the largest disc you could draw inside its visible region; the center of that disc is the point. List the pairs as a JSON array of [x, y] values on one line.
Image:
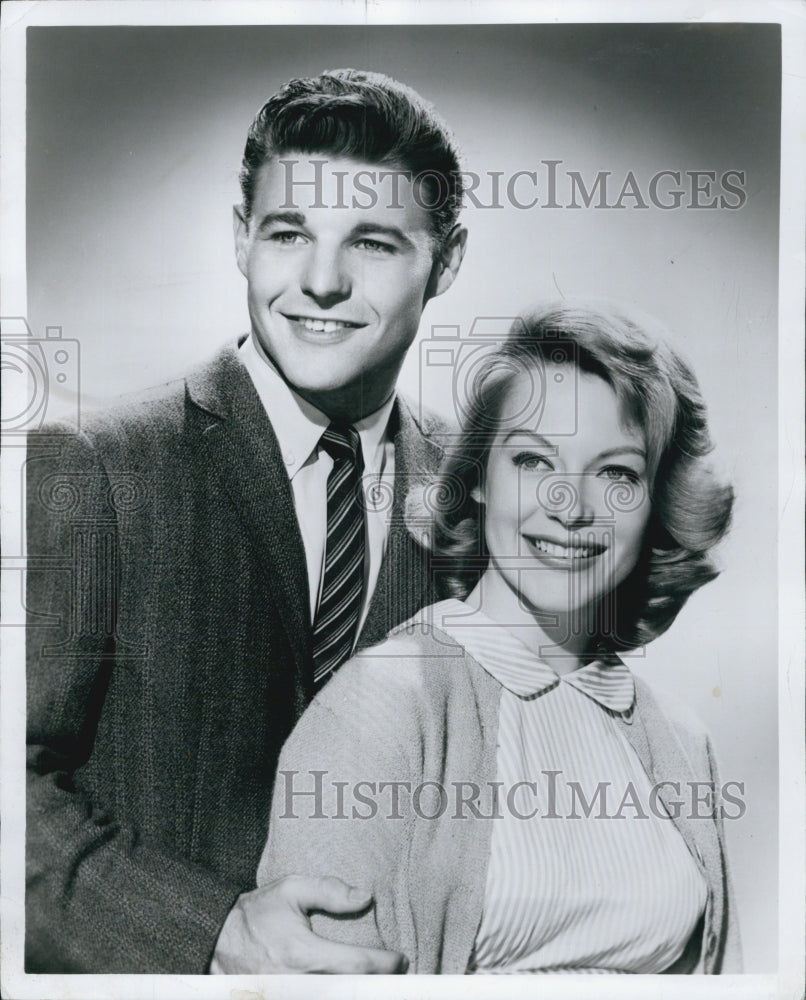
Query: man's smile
[[319, 325]]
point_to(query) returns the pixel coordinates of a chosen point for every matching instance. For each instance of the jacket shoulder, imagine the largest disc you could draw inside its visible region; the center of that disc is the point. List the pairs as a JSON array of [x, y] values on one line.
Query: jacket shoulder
[[416, 667], [662, 708], [677, 711], [146, 418], [407, 663], [430, 424], [157, 406]]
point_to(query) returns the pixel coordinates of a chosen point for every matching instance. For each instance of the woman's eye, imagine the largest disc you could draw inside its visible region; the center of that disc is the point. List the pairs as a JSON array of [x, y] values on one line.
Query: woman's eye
[[617, 473], [531, 462]]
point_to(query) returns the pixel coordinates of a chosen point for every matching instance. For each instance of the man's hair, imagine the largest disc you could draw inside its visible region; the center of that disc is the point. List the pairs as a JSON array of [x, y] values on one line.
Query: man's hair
[[659, 394], [362, 116]]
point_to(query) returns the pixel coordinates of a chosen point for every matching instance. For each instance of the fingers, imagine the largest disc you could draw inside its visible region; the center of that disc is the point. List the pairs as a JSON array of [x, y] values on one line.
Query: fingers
[[328, 894], [268, 931], [344, 959], [331, 895]]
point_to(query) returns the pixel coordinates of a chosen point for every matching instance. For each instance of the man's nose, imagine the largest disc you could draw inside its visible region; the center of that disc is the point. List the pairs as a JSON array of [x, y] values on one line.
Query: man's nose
[[325, 277]]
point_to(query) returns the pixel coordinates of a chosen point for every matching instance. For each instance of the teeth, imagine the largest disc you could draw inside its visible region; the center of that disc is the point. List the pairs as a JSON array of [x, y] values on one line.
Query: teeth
[[562, 551], [322, 325]]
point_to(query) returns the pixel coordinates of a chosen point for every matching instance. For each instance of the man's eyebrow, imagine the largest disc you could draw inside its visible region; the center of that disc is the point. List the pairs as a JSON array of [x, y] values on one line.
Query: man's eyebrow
[[281, 218]]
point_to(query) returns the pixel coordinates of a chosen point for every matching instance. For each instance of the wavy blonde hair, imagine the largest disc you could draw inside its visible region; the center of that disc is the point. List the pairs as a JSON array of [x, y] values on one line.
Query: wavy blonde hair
[[659, 393]]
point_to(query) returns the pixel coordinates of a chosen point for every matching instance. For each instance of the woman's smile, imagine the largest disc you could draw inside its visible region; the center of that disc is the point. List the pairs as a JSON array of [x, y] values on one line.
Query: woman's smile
[[564, 513], [576, 553]]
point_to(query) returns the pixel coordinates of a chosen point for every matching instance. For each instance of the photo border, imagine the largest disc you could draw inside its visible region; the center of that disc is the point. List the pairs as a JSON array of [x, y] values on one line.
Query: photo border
[[20, 14]]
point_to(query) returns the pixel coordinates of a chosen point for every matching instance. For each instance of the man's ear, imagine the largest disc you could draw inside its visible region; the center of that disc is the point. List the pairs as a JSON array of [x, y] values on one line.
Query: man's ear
[[448, 261], [240, 230]]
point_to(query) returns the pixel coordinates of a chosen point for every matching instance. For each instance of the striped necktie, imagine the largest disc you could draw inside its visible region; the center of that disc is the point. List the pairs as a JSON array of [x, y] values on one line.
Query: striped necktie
[[337, 616]]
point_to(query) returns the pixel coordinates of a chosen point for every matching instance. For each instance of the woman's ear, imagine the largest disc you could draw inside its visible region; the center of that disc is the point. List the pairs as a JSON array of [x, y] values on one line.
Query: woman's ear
[[477, 494]]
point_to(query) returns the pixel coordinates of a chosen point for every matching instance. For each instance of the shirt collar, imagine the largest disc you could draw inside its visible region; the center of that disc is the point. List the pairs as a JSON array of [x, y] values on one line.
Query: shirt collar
[[520, 670], [298, 425]]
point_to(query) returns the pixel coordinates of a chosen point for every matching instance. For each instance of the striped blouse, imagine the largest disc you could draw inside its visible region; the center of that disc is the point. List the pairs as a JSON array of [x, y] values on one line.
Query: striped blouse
[[587, 872]]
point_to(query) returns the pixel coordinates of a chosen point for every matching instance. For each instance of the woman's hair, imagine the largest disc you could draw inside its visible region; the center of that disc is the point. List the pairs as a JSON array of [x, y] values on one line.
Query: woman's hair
[[658, 393]]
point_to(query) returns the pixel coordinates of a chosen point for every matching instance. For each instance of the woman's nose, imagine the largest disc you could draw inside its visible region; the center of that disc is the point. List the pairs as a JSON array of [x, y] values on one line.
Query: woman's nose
[[574, 502], [325, 278]]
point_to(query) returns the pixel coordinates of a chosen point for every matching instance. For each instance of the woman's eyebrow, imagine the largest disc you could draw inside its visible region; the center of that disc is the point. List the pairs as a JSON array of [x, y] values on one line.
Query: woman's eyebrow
[[626, 449], [537, 438]]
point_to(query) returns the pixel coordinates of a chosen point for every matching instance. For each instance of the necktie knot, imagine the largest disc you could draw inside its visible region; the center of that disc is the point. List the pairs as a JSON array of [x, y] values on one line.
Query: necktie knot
[[341, 441]]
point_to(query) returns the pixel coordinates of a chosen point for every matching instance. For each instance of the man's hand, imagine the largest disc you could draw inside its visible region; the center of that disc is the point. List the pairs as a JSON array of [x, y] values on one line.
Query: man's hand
[[268, 931]]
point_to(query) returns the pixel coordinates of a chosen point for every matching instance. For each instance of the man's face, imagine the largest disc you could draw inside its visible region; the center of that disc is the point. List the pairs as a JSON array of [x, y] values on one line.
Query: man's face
[[336, 290]]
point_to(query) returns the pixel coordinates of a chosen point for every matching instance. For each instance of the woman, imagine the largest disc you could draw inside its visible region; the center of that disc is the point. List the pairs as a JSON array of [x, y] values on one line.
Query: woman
[[514, 798]]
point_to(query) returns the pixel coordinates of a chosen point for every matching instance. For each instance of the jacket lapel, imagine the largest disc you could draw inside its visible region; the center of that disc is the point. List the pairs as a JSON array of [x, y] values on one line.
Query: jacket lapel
[[235, 437], [404, 585]]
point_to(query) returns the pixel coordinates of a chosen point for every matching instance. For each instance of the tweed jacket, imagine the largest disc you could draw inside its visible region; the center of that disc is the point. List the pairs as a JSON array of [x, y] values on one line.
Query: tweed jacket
[[169, 656], [420, 713]]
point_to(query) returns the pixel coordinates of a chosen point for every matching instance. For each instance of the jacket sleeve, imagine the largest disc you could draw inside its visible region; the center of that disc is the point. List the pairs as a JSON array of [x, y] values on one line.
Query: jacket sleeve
[[342, 798], [98, 897]]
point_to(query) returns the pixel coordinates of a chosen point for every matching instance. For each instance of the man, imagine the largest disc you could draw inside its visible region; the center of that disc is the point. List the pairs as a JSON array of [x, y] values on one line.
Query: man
[[199, 565]]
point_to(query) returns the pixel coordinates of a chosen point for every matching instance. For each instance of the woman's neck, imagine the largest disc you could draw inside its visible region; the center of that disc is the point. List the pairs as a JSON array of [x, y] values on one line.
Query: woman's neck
[[563, 640]]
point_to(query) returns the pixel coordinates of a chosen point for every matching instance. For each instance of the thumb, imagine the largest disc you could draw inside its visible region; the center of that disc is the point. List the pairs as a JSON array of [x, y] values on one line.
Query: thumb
[[329, 894]]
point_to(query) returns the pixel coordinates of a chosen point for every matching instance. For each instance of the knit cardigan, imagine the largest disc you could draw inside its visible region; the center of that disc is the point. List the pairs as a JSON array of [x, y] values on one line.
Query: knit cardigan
[[419, 709]]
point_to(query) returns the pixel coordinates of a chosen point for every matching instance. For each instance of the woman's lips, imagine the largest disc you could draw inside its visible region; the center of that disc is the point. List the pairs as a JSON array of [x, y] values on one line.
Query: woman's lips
[[569, 556]]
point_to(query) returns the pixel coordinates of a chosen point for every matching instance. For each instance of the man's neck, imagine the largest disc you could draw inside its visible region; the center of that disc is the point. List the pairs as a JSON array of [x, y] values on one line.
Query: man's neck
[[347, 404], [344, 406]]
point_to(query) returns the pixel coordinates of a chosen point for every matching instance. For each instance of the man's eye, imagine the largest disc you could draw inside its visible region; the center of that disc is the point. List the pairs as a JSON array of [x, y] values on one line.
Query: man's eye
[[376, 246], [287, 237], [618, 473], [531, 462]]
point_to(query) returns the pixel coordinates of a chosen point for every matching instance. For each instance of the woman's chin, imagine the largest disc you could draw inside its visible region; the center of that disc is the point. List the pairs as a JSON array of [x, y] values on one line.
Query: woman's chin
[[560, 607]]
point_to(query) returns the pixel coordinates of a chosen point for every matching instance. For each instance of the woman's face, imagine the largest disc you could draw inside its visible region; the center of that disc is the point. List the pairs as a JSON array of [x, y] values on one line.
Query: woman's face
[[566, 495]]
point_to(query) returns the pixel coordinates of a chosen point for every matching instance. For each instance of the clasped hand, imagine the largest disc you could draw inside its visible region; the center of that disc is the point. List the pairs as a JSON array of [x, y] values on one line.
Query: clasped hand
[[269, 931]]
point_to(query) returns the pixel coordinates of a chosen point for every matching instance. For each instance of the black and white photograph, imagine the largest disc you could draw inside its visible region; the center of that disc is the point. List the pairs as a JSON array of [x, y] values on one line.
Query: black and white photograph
[[402, 441]]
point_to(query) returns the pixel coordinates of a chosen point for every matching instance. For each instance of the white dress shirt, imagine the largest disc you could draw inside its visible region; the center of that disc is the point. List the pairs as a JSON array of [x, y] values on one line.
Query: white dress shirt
[[613, 891], [298, 427]]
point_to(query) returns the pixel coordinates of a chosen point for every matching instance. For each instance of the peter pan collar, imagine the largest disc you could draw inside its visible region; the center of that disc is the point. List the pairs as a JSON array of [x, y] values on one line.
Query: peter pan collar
[[518, 669]]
